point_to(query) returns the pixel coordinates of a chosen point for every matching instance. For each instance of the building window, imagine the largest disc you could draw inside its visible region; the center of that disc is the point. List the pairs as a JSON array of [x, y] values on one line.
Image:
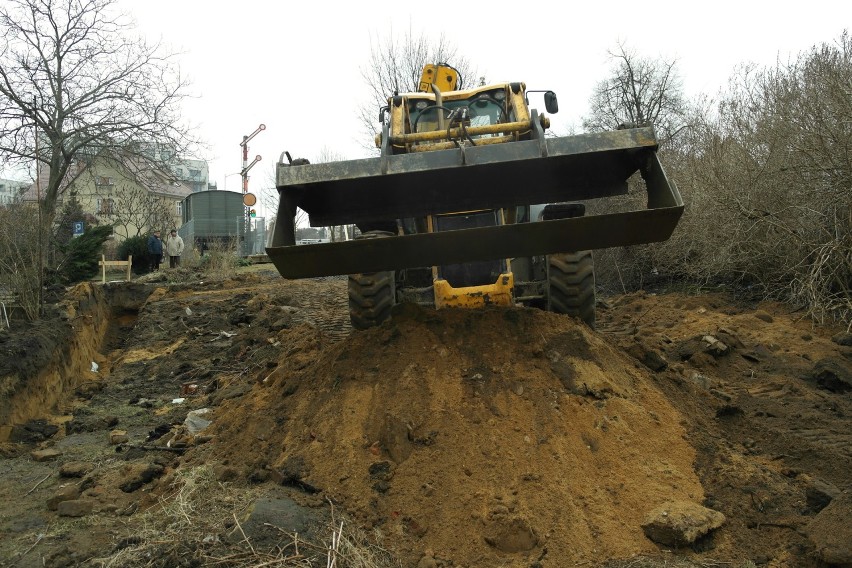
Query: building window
[[104, 180], [179, 206], [105, 207]]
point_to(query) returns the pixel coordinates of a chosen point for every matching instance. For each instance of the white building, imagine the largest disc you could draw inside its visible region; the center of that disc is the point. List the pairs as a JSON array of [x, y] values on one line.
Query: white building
[[193, 173], [10, 190]]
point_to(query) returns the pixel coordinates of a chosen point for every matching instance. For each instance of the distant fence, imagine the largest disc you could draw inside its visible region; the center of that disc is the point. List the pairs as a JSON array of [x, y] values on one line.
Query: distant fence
[[249, 233]]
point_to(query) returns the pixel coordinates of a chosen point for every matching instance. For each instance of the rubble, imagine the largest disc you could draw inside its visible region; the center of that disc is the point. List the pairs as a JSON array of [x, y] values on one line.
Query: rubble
[[680, 523]]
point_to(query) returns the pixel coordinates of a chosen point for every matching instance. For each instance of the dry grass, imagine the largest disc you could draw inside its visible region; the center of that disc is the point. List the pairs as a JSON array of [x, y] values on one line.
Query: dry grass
[[188, 528], [221, 259]]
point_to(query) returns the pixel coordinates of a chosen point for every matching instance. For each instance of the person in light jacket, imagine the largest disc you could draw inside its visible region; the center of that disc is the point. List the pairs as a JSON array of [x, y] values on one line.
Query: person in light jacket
[[174, 248]]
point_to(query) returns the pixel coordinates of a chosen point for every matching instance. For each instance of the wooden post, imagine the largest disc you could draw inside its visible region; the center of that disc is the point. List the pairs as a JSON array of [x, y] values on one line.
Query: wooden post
[[103, 267], [129, 263]]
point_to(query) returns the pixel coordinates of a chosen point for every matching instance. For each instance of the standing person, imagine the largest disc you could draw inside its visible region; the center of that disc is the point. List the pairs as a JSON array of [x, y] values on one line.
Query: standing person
[[155, 250], [174, 248]]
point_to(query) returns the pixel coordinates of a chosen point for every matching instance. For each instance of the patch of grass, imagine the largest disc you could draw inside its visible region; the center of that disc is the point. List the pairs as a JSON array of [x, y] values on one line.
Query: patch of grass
[[185, 529]]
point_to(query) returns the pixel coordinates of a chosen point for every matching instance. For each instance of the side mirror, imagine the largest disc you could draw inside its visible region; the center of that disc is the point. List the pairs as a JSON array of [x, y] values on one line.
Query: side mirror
[[382, 113], [550, 102]]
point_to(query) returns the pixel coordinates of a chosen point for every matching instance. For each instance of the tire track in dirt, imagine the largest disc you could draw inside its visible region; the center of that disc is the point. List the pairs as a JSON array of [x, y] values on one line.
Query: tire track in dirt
[[832, 440], [325, 303], [770, 395], [322, 302]]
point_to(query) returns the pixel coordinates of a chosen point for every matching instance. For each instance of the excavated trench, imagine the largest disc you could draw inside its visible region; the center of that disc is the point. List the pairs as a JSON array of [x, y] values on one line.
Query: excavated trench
[[46, 362]]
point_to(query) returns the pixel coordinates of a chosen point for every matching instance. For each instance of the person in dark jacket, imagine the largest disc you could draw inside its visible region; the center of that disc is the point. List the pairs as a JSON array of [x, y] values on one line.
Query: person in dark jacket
[[155, 250]]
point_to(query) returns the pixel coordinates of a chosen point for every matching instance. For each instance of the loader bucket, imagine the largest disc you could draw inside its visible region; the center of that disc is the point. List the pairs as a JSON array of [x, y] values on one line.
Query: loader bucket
[[541, 170]]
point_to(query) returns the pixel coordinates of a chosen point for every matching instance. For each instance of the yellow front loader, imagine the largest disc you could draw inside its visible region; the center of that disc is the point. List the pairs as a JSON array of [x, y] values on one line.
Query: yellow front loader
[[469, 204]]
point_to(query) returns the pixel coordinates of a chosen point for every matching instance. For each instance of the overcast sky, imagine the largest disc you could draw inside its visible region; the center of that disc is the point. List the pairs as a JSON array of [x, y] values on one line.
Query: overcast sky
[[297, 66]]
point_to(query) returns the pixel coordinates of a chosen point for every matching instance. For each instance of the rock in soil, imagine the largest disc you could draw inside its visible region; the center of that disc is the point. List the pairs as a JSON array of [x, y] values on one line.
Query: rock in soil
[[680, 523]]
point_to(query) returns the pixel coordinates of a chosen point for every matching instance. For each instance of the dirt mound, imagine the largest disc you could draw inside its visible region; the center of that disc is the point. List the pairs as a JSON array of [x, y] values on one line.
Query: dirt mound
[[497, 437]]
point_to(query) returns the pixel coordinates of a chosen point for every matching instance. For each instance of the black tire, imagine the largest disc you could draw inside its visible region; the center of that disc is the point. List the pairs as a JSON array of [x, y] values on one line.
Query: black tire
[[571, 285], [371, 297]]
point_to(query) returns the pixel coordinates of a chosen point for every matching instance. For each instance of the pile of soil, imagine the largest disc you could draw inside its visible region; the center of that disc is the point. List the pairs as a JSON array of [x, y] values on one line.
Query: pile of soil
[[496, 437]]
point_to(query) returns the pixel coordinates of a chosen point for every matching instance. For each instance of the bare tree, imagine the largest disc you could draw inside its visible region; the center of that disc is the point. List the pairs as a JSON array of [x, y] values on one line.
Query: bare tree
[[19, 256], [395, 66], [136, 210], [75, 81], [639, 91]]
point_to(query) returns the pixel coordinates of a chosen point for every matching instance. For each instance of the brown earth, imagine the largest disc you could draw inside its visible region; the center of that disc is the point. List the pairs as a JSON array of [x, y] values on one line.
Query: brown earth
[[501, 437]]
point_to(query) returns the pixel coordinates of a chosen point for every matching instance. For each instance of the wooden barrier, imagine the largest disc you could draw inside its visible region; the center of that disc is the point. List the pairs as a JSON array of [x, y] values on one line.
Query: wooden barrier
[[119, 263]]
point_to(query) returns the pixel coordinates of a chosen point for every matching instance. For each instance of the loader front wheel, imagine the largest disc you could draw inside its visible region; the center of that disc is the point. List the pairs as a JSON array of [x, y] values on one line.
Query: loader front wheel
[[371, 294], [571, 285], [371, 297]]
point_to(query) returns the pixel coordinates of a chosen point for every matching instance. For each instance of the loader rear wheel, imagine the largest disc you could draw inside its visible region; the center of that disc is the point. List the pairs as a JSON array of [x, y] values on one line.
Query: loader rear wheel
[[372, 295], [571, 285]]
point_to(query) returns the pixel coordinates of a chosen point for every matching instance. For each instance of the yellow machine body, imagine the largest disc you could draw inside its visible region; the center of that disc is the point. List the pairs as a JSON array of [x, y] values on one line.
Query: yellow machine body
[[442, 76], [499, 292]]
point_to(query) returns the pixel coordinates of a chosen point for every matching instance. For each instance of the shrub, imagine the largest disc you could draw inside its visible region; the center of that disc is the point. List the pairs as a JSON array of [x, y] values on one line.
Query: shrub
[[82, 254], [20, 256], [138, 248]]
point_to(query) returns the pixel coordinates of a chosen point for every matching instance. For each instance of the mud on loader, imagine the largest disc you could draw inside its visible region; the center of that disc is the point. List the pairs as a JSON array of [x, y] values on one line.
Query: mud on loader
[[469, 204]]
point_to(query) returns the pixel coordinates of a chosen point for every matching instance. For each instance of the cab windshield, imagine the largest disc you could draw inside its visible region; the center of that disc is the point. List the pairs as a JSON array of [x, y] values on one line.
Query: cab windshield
[[482, 109]]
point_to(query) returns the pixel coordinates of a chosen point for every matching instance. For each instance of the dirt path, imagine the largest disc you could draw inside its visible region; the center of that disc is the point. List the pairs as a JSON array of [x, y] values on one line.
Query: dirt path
[[504, 437]]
